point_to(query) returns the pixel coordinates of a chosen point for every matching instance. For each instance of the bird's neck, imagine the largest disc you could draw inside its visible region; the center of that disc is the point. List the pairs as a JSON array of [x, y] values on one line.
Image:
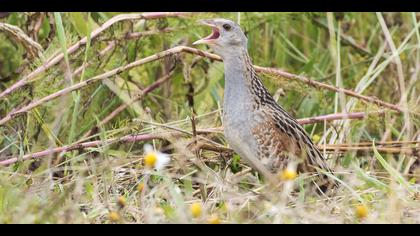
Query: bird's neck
[[239, 80], [238, 69]]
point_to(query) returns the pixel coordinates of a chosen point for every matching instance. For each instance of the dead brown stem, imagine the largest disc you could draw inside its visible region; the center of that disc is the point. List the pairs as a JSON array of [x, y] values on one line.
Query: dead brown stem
[[33, 48], [406, 150], [125, 139], [377, 144], [374, 100], [339, 116]]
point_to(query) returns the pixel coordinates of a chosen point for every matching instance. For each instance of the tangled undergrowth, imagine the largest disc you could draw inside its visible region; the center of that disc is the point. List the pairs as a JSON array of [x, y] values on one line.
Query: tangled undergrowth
[[115, 118]]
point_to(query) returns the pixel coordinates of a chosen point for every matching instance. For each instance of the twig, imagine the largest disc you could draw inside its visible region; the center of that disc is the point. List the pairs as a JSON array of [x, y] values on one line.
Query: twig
[[388, 143], [33, 48], [193, 127], [241, 173], [317, 84], [415, 151], [213, 148], [176, 50], [125, 139], [339, 116], [57, 57], [37, 26]]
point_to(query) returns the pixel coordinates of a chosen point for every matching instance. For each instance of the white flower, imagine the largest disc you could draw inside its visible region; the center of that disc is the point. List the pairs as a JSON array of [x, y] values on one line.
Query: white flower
[[154, 159]]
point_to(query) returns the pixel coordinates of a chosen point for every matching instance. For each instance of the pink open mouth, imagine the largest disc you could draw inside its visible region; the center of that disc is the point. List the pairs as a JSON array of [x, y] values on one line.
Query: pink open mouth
[[214, 35]]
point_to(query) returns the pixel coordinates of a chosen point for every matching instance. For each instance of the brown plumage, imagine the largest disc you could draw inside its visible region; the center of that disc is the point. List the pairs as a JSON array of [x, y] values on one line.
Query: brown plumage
[[279, 135]]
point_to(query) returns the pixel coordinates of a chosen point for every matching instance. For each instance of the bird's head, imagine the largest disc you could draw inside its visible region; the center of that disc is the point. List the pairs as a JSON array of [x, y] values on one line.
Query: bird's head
[[226, 38]]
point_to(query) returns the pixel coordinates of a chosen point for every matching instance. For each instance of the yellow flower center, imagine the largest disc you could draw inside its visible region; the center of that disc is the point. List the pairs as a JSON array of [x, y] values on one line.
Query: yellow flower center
[[114, 216], [361, 211], [288, 175], [150, 159], [316, 138], [214, 219], [140, 187], [122, 202], [195, 209]]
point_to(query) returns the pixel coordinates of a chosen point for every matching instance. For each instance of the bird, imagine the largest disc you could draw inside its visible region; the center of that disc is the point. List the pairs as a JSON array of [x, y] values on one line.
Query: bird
[[255, 126]]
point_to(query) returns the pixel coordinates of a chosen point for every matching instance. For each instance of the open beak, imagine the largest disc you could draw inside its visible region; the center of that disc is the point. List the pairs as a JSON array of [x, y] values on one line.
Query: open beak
[[212, 37]]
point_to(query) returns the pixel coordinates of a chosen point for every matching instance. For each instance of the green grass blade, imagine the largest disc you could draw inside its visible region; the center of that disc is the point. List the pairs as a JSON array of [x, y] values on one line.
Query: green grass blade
[[392, 171], [61, 35]]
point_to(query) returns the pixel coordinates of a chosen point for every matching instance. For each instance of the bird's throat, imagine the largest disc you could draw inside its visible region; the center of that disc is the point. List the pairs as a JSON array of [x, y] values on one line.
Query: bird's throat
[[237, 94]]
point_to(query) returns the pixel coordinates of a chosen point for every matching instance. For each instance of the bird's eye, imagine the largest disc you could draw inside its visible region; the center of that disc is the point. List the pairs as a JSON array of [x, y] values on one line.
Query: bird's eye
[[227, 27]]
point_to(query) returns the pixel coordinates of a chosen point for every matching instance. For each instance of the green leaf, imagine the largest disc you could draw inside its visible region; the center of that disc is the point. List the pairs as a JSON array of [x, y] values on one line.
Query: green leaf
[[81, 22], [45, 29], [331, 176], [168, 210], [235, 167], [310, 64], [117, 153], [188, 187], [370, 180], [392, 172], [61, 35], [90, 190], [50, 134]]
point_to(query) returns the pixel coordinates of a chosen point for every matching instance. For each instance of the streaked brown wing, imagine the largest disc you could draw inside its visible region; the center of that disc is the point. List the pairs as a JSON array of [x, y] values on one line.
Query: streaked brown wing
[[281, 140], [276, 148]]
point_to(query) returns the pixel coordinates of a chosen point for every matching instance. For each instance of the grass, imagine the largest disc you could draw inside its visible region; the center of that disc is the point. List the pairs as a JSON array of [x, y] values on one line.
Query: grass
[[174, 103]]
